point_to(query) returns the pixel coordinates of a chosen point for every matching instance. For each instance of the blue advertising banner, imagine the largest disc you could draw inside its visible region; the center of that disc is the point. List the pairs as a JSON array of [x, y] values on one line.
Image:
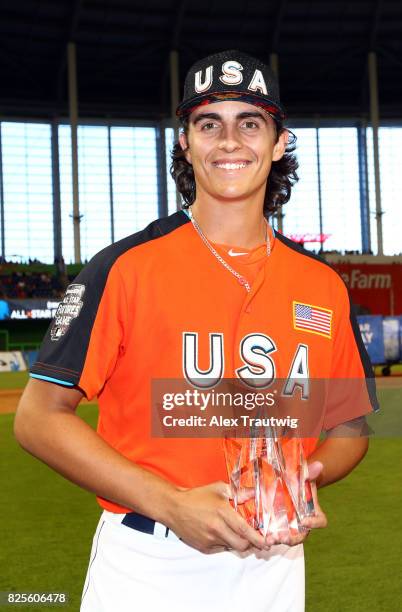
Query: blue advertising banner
[[371, 329], [30, 357], [400, 337], [28, 309], [12, 361], [392, 335]]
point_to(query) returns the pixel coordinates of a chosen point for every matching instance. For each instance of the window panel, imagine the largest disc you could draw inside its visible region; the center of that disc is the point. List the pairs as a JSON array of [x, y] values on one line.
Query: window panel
[[301, 213], [94, 194], [339, 179], [171, 185], [28, 193], [339, 164], [134, 172], [27, 181], [93, 173], [390, 143], [66, 193], [371, 190]]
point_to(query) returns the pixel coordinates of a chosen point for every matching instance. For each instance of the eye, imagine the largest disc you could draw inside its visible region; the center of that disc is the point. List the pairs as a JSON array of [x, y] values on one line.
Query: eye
[[249, 124], [207, 127]]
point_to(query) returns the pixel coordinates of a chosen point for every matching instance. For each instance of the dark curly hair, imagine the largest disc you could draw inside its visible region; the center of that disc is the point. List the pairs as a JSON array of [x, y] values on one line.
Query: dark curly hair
[[281, 178]]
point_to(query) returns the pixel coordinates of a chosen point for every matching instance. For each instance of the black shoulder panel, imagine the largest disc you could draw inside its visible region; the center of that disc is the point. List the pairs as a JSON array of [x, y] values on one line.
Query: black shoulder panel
[[297, 247], [62, 355]]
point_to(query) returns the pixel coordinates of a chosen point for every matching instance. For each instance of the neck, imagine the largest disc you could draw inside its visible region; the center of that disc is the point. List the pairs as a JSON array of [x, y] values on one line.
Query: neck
[[239, 224]]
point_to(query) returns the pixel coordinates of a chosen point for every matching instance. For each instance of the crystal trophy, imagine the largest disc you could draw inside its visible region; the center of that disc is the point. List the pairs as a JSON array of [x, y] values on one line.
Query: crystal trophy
[[275, 469]]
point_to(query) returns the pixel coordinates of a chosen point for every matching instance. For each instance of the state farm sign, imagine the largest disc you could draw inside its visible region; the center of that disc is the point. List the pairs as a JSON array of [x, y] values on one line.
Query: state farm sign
[[377, 288], [357, 279]]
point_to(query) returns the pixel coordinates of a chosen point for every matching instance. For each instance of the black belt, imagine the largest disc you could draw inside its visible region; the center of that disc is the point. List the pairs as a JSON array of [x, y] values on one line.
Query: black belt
[[142, 523]]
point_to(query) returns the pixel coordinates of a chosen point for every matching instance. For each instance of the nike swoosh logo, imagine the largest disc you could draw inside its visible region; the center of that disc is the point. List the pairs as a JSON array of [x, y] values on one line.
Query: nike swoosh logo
[[234, 254]]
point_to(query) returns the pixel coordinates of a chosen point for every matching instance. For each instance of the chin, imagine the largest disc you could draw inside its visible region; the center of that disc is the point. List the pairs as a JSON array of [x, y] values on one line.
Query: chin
[[232, 196], [231, 191]]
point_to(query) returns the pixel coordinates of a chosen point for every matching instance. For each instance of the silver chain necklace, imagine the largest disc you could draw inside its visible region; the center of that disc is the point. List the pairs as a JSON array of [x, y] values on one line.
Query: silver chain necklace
[[242, 280]]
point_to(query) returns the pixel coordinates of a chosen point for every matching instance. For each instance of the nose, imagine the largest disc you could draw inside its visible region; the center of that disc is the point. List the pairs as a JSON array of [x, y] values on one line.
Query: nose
[[230, 139]]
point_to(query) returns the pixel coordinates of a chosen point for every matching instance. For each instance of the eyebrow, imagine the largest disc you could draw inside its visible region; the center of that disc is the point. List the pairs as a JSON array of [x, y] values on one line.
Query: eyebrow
[[243, 115]]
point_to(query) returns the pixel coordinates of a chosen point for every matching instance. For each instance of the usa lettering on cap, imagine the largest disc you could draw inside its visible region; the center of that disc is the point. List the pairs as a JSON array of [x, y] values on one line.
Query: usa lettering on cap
[[231, 75]]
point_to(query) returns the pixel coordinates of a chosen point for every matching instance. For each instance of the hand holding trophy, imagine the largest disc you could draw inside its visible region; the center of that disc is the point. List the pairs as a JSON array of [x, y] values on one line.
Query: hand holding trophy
[[275, 468]]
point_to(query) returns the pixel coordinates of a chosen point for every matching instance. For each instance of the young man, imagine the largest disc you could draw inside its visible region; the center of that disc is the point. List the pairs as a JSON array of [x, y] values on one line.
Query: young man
[[180, 300]]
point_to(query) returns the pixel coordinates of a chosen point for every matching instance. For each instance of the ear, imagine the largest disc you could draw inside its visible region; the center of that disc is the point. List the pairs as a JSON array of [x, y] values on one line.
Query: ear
[[280, 146], [184, 145]]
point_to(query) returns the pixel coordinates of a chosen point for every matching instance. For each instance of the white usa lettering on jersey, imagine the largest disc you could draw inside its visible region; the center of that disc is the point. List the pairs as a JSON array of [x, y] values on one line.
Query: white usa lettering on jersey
[[256, 352]]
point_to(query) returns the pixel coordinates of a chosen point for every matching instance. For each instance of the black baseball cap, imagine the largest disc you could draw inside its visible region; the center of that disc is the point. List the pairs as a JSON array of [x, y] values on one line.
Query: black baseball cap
[[231, 75]]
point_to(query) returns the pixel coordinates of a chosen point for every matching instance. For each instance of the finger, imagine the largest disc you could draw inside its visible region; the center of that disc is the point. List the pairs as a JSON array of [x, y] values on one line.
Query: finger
[[315, 522], [259, 554], [292, 539], [295, 540], [270, 540], [232, 540], [245, 494], [219, 549], [239, 525], [281, 538], [314, 469], [211, 550], [225, 490]]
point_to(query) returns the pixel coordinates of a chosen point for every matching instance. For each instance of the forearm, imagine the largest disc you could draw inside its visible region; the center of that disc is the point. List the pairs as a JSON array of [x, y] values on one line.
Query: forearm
[[47, 426], [339, 456], [66, 443]]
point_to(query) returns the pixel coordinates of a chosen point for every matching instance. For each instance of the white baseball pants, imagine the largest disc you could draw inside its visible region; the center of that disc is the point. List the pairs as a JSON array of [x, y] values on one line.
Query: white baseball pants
[[130, 571]]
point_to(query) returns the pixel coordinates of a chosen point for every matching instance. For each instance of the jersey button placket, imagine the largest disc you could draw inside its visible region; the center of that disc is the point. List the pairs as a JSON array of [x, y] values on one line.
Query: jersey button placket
[[255, 287], [243, 326]]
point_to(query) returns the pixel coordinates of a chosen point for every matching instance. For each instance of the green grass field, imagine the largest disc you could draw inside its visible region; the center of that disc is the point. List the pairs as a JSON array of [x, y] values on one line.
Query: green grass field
[[354, 565], [47, 523], [13, 380]]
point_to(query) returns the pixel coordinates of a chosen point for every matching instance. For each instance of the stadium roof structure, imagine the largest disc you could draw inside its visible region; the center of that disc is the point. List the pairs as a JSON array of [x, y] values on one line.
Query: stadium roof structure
[[123, 49]]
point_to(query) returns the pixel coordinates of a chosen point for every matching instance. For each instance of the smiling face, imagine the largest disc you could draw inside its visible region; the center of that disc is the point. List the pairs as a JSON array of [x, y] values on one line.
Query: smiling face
[[231, 146]]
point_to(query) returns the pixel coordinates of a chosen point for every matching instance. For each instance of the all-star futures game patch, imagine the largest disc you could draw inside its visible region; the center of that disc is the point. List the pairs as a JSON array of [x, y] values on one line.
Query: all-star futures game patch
[[68, 310]]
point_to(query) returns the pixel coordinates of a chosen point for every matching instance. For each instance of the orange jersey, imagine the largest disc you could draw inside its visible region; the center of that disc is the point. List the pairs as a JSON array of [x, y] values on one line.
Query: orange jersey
[[159, 305]]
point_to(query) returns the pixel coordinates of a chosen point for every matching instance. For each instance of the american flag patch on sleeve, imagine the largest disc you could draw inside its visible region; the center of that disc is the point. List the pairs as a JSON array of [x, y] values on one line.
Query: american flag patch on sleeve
[[313, 319]]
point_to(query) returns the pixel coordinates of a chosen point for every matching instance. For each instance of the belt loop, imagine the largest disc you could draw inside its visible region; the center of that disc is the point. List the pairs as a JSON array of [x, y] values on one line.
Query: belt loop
[[160, 531]]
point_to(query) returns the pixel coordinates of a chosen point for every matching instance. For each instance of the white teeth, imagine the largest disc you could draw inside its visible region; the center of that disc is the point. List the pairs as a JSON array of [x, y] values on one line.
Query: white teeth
[[231, 166]]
